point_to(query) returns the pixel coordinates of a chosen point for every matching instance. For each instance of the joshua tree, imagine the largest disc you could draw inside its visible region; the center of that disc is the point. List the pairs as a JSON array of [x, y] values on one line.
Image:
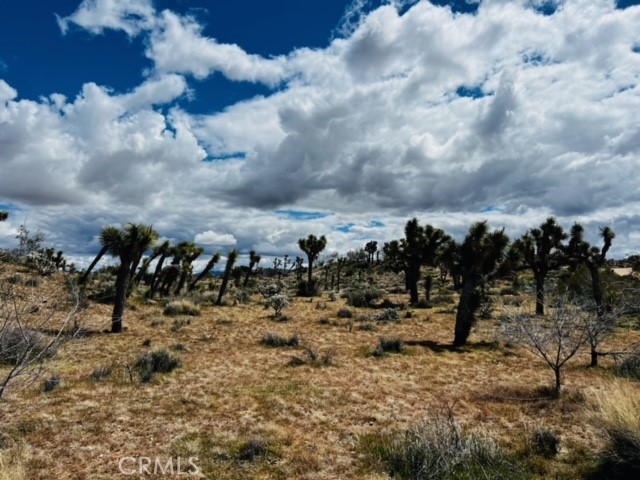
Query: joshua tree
[[480, 254], [128, 244], [541, 248], [579, 251], [165, 251], [190, 253], [419, 247], [312, 246], [210, 264], [231, 259], [254, 259], [371, 248], [161, 250], [108, 236]]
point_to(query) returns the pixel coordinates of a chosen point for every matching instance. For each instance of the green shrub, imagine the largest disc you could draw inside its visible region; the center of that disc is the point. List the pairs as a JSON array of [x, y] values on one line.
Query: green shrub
[[274, 340], [388, 345], [362, 297], [344, 313], [389, 315], [182, 307], [158, 361], [439, 449], [243, 297]]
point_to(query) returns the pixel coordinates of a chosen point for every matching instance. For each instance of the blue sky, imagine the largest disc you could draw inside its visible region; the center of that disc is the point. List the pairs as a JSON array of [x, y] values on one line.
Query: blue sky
[[252, 124]]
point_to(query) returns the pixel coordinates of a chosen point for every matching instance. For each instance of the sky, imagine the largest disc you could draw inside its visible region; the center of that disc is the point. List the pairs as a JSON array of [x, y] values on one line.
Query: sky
[[251, 124]]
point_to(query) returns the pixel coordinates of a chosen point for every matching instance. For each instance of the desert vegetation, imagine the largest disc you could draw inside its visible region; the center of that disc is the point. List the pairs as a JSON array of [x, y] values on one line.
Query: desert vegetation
[[434, 358]]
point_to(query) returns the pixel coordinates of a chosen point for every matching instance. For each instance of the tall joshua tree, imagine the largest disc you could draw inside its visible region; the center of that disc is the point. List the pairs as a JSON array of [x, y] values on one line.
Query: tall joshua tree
[[210, 264], [480, 255], [165, 249], [158, 251], [579, 251], [109, 235], [419, 247], [190, 253], [231, 260], [371, 248], [127, 245], [541, 250], [312, 246], [254, 259]]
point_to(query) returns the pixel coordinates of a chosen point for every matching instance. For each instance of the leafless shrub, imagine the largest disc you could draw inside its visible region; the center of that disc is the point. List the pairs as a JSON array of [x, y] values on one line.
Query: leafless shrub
[[31, 329], [555, 338]]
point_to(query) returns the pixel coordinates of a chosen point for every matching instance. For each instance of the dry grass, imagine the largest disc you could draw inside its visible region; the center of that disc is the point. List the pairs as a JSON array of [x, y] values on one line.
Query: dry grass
[[618, 409], [231, 390]]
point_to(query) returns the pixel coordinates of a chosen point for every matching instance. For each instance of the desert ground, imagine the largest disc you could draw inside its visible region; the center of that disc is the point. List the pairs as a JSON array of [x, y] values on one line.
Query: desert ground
[[240, 409]]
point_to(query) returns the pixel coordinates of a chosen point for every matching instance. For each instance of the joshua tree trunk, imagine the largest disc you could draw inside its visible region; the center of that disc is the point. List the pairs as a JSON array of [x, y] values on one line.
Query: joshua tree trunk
[[122, 285], [465, 313], [310, 278], [227, 274], [101, 253], [428, 284], [156, 273], [597, 289], [412, 277], [539, 294], [210, 264]]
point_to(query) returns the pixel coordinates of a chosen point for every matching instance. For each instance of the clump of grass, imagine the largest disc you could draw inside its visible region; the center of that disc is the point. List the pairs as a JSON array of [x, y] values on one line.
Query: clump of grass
[[442, 299], [344, 313], [252, 450], [313, 357], [629, 367], [178, 323], [51, 383], [545, 442], [277, 341], [422, 303], [439, 448], [13, 463], [158, 361], [157, 323], [388, 345], [181, 307], [367, 327], [618, 413], [243, 297], [21, 344], [101, 373]]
